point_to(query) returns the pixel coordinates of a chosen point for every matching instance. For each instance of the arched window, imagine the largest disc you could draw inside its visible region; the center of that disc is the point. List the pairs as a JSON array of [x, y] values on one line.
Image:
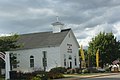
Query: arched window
[[14, 61], [64, 60], [75, 61], [70, 57], [31, 61]]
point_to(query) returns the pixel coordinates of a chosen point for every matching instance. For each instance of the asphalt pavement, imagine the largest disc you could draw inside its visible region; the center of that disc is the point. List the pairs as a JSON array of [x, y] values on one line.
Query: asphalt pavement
[[98, 76]]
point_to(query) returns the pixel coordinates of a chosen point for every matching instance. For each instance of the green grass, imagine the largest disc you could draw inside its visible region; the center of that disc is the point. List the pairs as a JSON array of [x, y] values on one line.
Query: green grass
[[2, 79], [84, 74], [73, 75]]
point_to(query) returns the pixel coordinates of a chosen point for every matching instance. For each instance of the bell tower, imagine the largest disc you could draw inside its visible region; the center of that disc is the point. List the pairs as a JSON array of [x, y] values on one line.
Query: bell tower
[[57, 26]]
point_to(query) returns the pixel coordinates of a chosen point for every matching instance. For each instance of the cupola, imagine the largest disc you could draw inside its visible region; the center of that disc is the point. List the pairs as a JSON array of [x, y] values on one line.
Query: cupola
[[57, 26]]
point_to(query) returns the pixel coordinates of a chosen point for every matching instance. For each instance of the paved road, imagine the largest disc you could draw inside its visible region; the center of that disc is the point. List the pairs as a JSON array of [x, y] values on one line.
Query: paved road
[[110, 77]]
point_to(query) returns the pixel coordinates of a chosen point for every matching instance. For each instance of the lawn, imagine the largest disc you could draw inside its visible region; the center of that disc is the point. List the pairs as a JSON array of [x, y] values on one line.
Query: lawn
[[2, 79], [77, 75]]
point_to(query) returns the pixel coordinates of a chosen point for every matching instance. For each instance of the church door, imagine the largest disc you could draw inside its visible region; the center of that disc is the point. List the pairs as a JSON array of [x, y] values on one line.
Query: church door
[[70, 64]]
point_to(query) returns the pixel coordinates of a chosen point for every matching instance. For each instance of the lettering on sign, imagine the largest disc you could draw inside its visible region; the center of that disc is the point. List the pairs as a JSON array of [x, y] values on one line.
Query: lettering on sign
[[69, 50]]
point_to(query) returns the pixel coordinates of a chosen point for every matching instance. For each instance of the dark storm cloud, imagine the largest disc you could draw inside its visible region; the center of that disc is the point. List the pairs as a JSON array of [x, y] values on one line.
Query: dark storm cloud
[[17, 16], [23, 16]]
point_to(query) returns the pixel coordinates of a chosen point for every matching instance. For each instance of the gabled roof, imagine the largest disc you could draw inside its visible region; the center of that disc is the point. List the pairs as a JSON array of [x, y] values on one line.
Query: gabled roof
[[42, 39]]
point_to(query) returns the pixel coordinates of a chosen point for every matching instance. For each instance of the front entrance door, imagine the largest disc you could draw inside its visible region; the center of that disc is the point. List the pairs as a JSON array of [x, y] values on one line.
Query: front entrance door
[[70, 64]]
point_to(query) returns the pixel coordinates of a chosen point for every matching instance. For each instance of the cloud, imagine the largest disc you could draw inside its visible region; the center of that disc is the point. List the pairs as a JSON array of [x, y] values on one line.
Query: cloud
[[117, 30], [42, 11], [86, 17]]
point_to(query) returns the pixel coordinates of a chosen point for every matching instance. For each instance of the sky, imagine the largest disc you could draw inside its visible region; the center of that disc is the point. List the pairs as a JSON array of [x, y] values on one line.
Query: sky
[[85, 17]]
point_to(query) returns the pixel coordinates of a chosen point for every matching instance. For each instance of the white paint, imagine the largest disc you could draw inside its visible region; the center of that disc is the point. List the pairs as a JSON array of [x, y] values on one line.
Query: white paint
[[57, 28], [7, 66], [55, 55], [70, 39], [24, 57]]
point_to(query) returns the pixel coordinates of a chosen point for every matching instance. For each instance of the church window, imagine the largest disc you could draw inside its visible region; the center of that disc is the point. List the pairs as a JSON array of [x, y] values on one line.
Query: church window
[[75, 61], [13, 63], [70, 57], [64, 60], [31, 61], [44, 54], [44, 58]]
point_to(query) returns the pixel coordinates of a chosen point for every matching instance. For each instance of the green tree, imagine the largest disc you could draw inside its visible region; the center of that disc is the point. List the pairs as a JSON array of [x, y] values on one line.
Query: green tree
[[109, 48], [85, 55], [8, 43]]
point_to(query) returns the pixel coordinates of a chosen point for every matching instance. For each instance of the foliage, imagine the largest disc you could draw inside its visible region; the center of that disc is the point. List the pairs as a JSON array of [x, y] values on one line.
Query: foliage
[[14, 75], [54, 75], [85, 56], [37, 77], [78, 70], [72, 71], [108, 48], [85, 70], [58, 70], [93, 70], [108, 70], [8, 43]]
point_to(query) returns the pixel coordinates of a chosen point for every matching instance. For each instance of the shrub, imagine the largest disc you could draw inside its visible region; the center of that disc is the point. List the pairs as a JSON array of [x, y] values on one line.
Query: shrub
[[56, 73], [101, 70], [85, 71], [78, 70], [53, 75], [108, 69], [58, 70], [37, 77], [27, 76], [71, 71]]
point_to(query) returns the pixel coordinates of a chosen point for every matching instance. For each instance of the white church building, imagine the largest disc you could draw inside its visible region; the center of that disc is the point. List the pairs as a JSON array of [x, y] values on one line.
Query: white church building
[[46, 50]]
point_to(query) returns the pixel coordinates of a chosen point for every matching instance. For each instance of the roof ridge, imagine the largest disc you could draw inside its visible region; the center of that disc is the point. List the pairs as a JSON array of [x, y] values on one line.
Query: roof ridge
[[42, 39]]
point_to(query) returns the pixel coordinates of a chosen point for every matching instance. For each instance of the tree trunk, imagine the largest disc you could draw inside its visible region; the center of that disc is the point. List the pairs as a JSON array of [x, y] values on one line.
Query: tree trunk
[[0, 70]]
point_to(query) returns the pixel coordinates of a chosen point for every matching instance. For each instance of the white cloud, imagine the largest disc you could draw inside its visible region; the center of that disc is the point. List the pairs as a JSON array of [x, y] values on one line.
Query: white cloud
[[42, 11], [86, 17], [85, 41], [4, 14], [4, 35], [92, 32], [117, 29]]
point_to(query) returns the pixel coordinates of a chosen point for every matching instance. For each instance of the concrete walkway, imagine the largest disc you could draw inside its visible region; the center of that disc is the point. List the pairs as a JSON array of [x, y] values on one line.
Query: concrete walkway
[[78, 77]]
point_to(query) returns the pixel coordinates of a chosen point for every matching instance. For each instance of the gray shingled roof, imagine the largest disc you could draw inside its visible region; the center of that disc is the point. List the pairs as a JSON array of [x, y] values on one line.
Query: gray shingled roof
[[42, 39]]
